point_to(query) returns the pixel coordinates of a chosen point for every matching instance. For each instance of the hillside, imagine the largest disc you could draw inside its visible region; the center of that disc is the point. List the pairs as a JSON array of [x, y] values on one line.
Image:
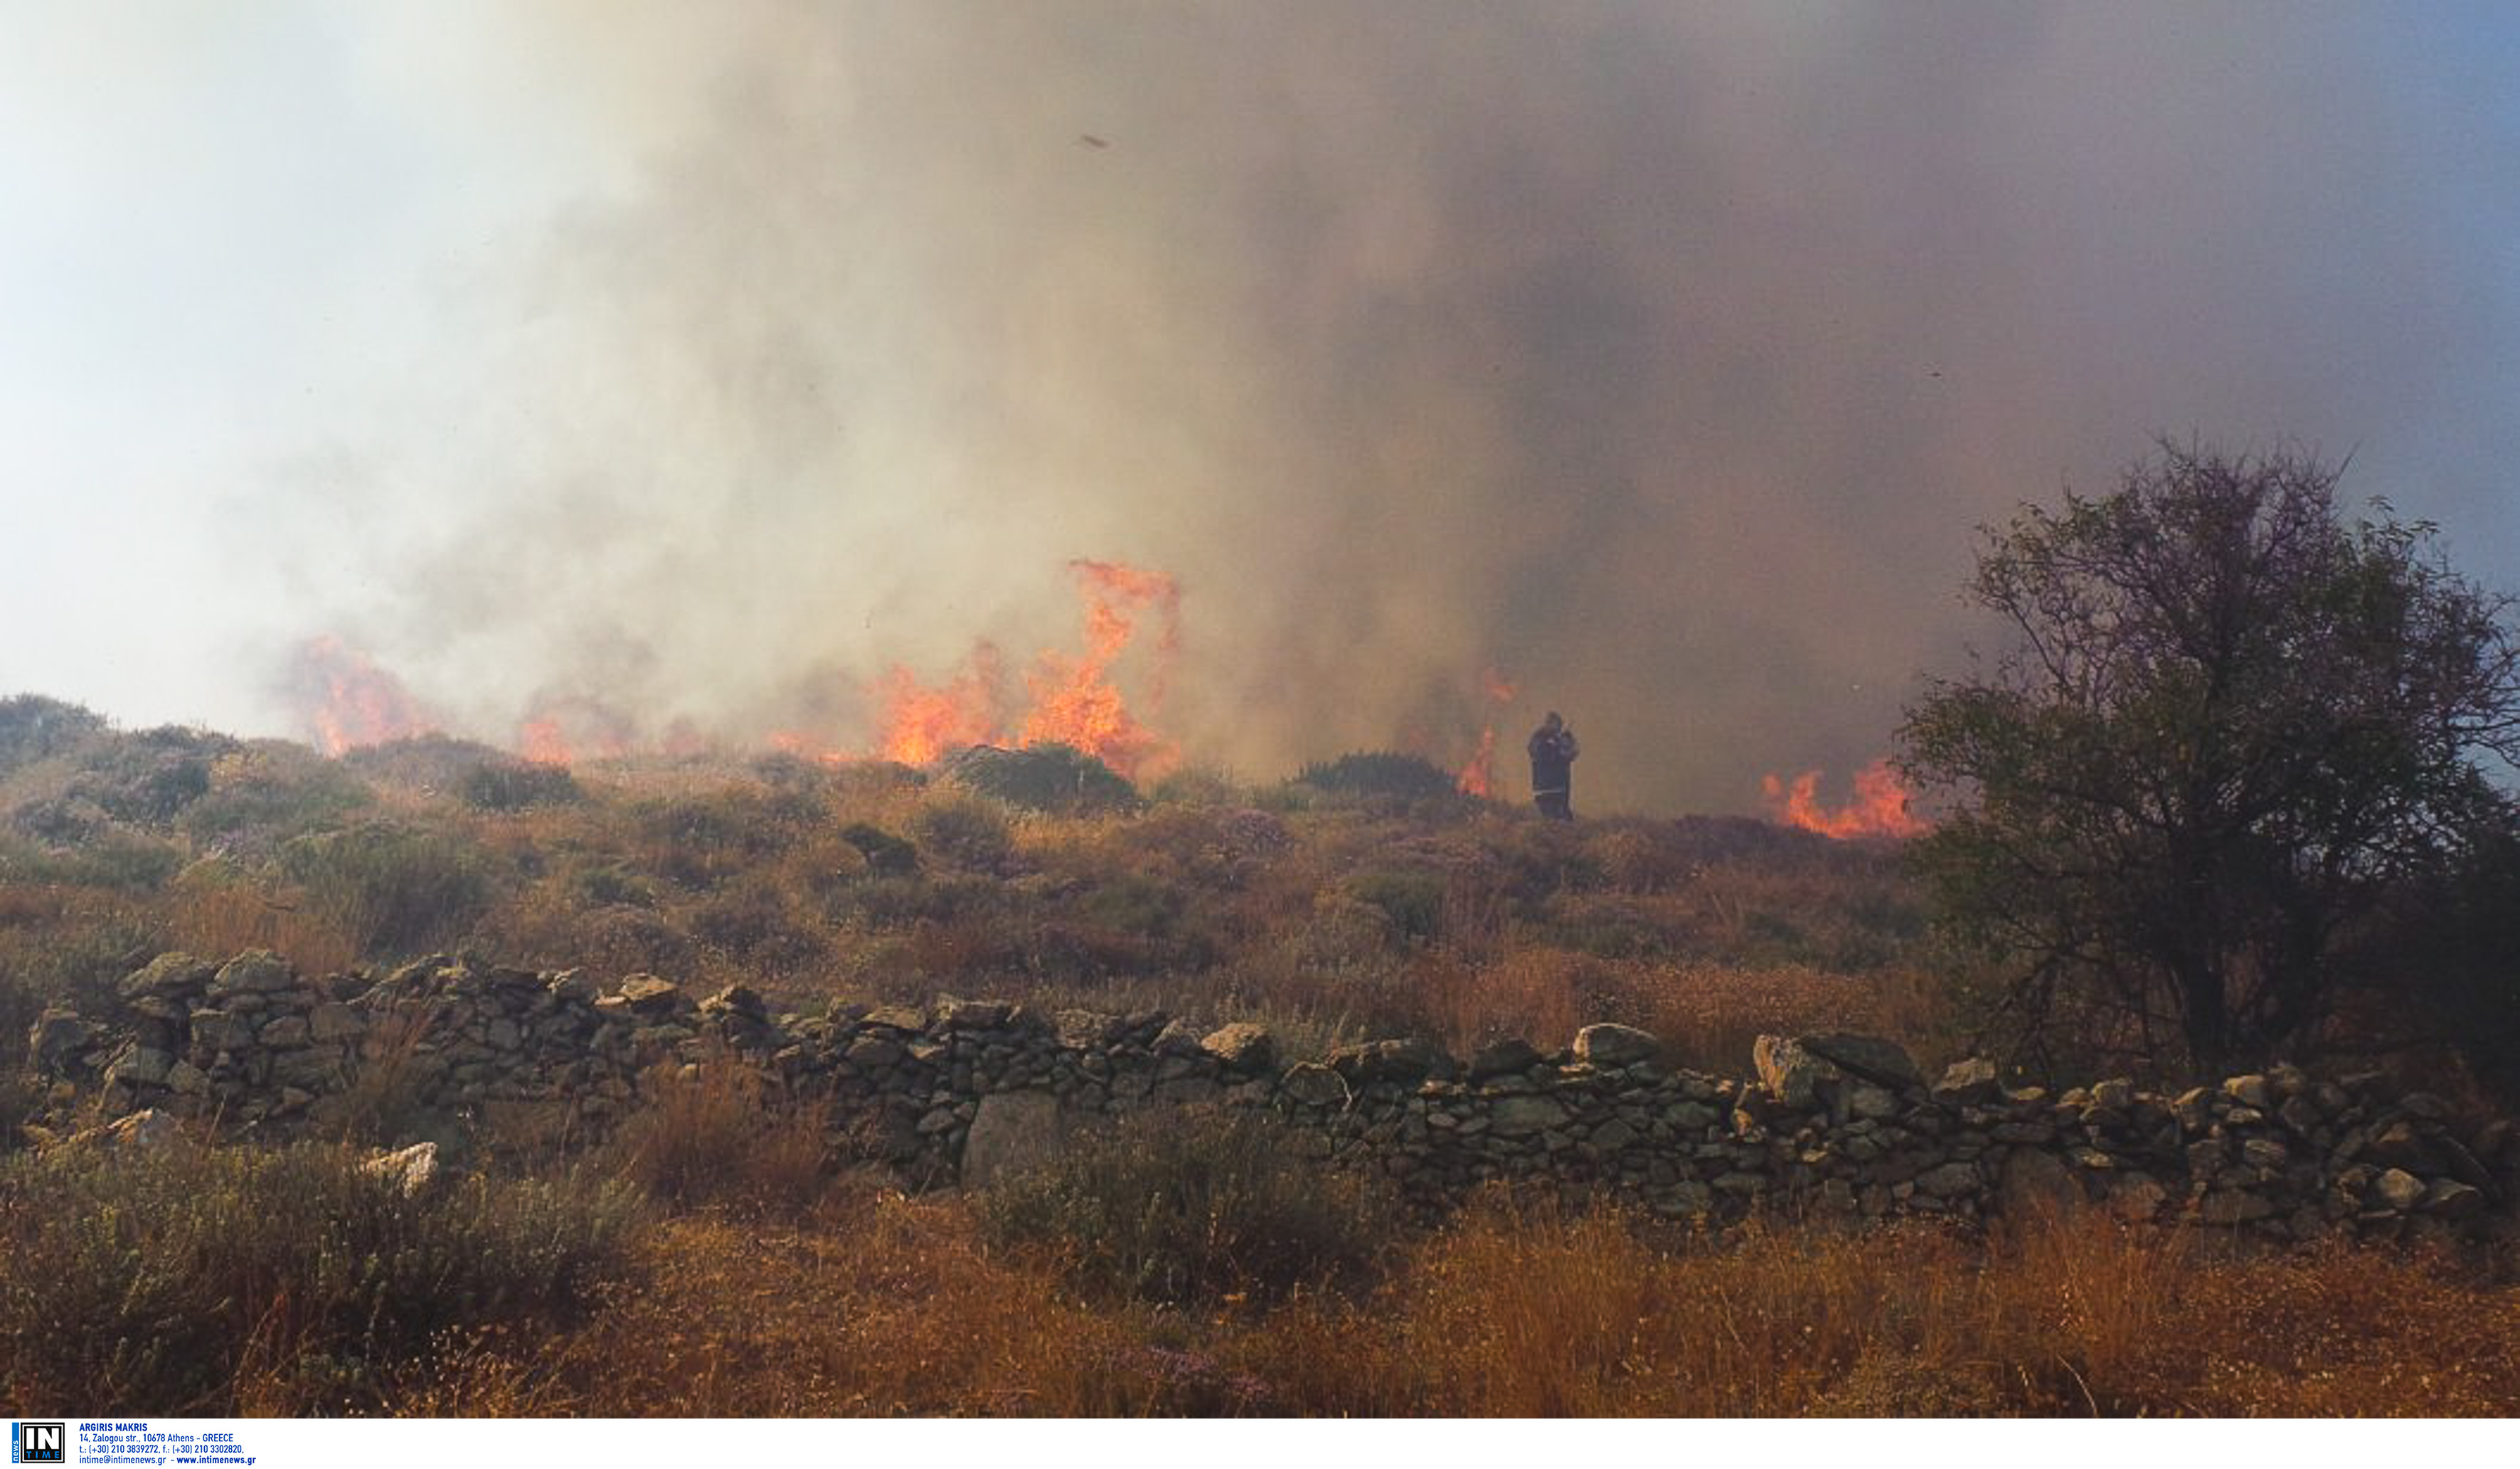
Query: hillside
[[474, 1064]]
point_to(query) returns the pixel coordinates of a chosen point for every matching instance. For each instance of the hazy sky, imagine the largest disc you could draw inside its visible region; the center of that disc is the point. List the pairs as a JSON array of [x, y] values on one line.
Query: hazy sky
[[707, 360]]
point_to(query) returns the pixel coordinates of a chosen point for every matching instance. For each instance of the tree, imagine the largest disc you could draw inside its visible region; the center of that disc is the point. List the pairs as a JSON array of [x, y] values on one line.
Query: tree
[[2229, 726]]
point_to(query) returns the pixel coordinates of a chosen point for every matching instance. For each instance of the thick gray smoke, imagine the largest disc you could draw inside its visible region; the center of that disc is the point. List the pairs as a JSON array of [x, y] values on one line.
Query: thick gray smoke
[[1661, 358]]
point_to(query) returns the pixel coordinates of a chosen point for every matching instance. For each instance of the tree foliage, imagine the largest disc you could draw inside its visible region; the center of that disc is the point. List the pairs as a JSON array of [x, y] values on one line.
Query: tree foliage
[[2229, 725]]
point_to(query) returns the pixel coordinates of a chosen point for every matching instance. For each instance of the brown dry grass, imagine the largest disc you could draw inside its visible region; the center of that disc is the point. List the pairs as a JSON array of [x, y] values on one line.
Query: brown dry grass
[[883, 1304]]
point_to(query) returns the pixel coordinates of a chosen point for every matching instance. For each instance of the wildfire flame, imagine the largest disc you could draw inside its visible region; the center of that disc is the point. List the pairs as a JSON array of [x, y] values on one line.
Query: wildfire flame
[[348, 702], [1072, 700], [1879, 808], [565, 728], [1478, 777], [921, 724]]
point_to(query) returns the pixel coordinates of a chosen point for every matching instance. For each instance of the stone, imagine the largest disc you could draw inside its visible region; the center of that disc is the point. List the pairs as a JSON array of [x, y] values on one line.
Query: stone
[[737, 999], [972, 1015], [145, 1131], [2250, 1092], [169, 975], [873, 1053], [2425, 1106], [2399, 1145], [409, 1171], [1872, 1103], [1311, 1085], [56, 1039], [1790, 1074], [1521, 1116], [1611, 1045], [256, 970], [140, 1066], [1950, 1180], [1087, 1029], [1688, 1198], [575, 987], [2138, 1199], [2399, 1190], [1013, 1132], [333, 1021], [1970, 1082], [1502, 1058], [1883, 1062], [2450, 1198], [2265, 1153], [1178, 1037], [186, 1079], [285, 1032], [1241, 1046], [1612, 1135], [1410, 1060], [2033, 1183], [2227, 1207], [648, 995]]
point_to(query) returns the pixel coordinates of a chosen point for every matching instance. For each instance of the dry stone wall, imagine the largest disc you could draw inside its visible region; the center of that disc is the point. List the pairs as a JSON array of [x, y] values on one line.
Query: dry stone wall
[[1839, 1125]]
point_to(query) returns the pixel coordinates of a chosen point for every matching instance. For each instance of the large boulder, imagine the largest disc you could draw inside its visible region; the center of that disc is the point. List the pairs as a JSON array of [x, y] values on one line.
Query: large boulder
[[1411, 1060], [256, 970], [1788, 1072], [1012, 1132], [1612, 1045], [1869, 1058], [1241, 1046]]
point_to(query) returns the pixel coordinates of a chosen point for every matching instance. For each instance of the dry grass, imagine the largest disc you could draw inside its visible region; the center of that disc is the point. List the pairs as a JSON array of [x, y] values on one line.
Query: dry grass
[[882, 1304], [1523, 1313], [211, 917], [715, 1134]]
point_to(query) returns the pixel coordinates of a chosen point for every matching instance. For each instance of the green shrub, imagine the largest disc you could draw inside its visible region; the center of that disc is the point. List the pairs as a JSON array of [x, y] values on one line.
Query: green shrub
[[182, 1279], [516, 785], [886, 854], [970, 832], [697, 842], [270, 793], [1052, 777], [1414, 902], [1381, 772], [392, 889], [1191, 1207], [33, 727], [116, 859]]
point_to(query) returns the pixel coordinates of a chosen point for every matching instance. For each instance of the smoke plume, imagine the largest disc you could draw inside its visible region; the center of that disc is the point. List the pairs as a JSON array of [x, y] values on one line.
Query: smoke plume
[[1661, 358]]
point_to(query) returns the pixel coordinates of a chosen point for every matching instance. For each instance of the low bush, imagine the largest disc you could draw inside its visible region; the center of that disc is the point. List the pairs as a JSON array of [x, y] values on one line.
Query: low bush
[[1191, 1207], [1381, 772], [970, 832], [1050, 777], [516, 785], [394, 890], [715, 1134]]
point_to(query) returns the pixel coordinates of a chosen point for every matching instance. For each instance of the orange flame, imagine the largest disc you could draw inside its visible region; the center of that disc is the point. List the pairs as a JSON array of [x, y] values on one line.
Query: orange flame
[[348, 702], [923, 725], [1879, 808], [1072, 700], [1478, 777], [562, 729]]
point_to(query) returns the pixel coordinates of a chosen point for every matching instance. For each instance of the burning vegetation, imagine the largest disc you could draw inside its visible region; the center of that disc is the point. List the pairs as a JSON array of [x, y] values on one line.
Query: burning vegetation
[[1880, 807]]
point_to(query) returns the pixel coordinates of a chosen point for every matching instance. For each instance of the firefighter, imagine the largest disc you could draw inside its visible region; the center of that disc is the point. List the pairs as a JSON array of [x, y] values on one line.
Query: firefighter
[[1553, 757]]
